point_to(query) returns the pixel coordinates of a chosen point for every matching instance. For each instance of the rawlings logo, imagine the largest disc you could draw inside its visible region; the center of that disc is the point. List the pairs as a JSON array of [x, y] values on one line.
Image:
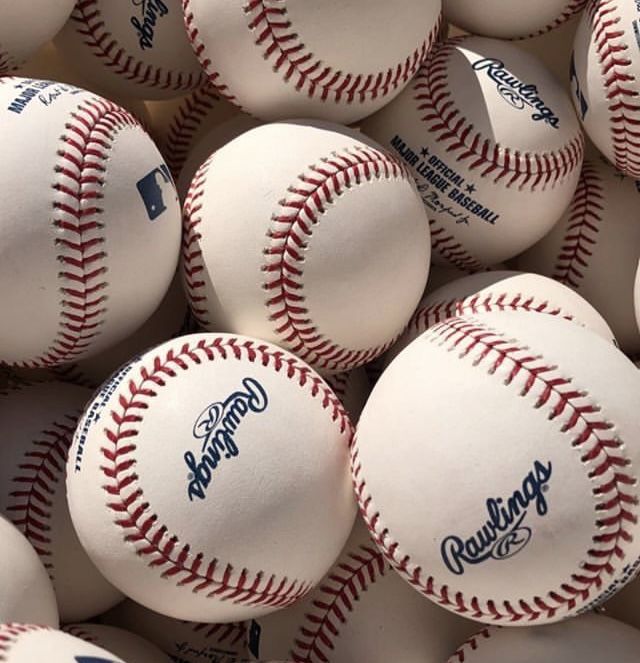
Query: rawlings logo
[[150, 11], [517, 93], [503, 535], [217, 427]]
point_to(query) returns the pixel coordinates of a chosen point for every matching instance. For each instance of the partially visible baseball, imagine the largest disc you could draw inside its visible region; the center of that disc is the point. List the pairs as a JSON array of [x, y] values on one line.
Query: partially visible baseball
[[129, 647], [188, 642], [137, 49], [489, 292], [353, 389], [307, 246], [595, 248], [518, 461], [209, 478], [605, 75], [26, 643], [335, 60], [587, 639], [38, 422], [26, 26], [494, 145], [76, 227], [636, 296], [510, 19], [361, 611], [27, 594]]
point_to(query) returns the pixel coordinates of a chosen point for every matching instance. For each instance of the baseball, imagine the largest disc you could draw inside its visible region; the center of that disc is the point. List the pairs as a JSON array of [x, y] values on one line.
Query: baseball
[[27, 595], [587, 639], [26, 26], [510, 19], [353, 389], [605, 69], [498, 291], [541, 523], [136, 49], [209, 528], [26, 643], [129, 647], [339, 61], [361, 611], [311, 258], [493, 143], [38, 424], [74, 234], [595, 248]]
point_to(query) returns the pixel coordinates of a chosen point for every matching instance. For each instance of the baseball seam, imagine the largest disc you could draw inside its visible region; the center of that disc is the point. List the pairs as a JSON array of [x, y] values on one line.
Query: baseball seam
[[571, 9], [92, 26], [11, 633], [583, 225], [7, 63], [620, 84], [78, 632], [142, 528], [41, 469], [450, 249], [281, 45], [472, 644], [601, 454], [338, 596], [231, 633], [291, 230]]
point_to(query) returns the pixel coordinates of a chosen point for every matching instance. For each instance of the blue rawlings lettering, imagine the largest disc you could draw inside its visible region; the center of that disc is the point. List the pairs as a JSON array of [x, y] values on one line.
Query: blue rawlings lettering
[[217, 427], [503, 534]]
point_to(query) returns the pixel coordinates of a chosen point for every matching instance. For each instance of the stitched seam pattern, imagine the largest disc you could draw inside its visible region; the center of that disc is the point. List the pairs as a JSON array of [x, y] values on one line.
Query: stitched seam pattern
[[621, 85], [193, 111], [33, 489], [230, 634], [338, 382], [11, 633], [572, 8], [448, 248], [79, 231], [448, 126], [470, 645], [600, 450], [91, 25], [79, 632], [193, 268], [291, 230], [583, 226], [142, 528], [7, 62], [338, 597]]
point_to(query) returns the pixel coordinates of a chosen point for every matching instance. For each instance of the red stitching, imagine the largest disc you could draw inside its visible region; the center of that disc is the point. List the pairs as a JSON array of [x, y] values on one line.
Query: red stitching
[[338, 382], [10, 634], [231, 633], [448, 125], [92, 26], [78, 631], [188, 119], [79, 243], [621, 85], [472, 644], [143, 528], [590, 432], [289, 235], [448, 248], [274, 33], [583, 226], [7, 62], [573, 7], [42, 467], [338, 597]]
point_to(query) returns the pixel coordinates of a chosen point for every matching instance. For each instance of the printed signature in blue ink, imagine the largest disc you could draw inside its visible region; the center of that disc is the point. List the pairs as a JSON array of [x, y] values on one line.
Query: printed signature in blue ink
[[150, 11]]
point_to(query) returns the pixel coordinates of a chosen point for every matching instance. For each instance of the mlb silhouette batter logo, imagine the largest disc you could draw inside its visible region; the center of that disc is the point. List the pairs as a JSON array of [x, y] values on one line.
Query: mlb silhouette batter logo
[[152, 188]]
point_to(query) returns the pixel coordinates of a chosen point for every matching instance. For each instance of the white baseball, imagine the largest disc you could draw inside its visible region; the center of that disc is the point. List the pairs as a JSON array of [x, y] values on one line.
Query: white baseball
[[26, 643], [510, 19], [511, 494], [499, 291], [128, 646], [493, 143], [75, 232], [38, 424], [299, 233], [595, 248], [25, 26], [587, 639], [361, 611], [338, 61], [605, 70], [254, 448], [27, 594], [187, 642], [137, 49]]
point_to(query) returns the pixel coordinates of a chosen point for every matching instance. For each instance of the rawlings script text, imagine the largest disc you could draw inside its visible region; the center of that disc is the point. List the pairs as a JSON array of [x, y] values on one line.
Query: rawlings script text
[[503, 534], [517, 93], [145, 24], [217, 427]]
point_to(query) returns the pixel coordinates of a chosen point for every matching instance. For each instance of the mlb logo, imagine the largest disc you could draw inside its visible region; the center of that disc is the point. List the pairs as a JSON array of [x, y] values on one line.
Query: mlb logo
[[152, 189]]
